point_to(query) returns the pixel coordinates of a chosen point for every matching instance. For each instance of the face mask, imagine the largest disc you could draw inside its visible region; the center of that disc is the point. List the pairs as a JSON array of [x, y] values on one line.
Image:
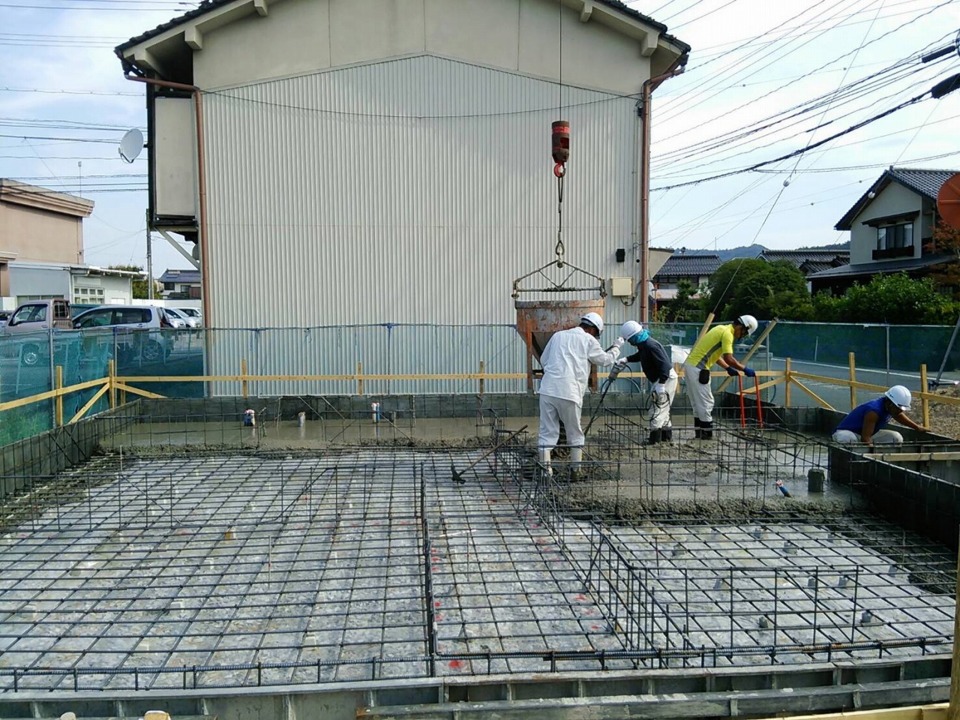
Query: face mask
[[640, 337]]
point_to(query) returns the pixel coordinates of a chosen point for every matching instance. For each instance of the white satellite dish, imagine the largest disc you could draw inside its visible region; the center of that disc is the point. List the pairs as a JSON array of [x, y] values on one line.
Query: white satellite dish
[[131, 144]]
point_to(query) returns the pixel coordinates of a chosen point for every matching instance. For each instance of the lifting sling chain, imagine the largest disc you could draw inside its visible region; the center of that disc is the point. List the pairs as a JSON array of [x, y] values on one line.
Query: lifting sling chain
[[560, 141]]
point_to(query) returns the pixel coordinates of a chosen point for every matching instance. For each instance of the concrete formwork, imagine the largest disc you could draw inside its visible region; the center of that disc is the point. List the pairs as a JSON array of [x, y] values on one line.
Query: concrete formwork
[[153, 569]]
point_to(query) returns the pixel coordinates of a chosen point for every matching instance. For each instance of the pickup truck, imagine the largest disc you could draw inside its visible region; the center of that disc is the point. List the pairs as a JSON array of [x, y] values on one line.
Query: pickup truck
[[25, 330]]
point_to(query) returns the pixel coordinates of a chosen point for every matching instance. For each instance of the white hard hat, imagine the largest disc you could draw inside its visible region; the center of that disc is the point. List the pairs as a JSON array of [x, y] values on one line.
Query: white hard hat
[[749, 322], [593, 319], [899, 396], [630, 328]]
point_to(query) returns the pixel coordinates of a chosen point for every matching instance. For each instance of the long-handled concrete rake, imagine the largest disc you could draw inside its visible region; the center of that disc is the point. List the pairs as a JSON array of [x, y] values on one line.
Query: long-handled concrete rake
[[458, 475]]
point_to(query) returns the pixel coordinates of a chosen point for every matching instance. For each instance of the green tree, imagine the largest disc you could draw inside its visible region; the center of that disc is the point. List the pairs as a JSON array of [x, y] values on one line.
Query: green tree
[[828, 308], [140, 284], [759, 288], [684, 308], [947, 276], [897, 299]]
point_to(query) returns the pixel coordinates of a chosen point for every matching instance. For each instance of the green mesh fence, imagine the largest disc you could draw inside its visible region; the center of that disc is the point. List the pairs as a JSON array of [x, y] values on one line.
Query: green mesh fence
[[884, 355]]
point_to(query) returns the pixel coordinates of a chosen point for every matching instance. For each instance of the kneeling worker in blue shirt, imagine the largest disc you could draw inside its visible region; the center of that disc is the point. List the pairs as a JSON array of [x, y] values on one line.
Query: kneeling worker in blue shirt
[[867, 423]]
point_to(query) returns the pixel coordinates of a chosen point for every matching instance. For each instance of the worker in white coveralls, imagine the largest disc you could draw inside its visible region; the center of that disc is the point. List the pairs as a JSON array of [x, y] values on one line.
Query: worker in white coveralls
[[716, 346], [566, 369], [658, 369], [866, 423]]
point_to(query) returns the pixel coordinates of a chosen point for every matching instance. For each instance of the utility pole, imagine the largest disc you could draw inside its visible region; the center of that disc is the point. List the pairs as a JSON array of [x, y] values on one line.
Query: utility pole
[[149, 259]]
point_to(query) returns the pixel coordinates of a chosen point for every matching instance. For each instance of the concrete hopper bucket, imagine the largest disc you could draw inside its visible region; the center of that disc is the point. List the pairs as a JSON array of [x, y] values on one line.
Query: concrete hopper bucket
[[538, 320]]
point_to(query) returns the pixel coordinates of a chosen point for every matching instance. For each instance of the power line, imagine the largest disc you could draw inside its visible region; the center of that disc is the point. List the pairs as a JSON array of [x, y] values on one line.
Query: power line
[[789, 155], [70, 92]]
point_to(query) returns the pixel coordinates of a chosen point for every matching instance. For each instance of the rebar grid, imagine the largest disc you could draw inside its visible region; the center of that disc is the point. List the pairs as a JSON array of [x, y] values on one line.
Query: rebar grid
[[323, 424], [739, 464], [216, 570]]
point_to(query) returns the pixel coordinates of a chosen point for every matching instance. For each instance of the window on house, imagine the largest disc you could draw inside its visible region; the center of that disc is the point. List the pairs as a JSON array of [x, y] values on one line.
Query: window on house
[[88, 295], [890, 237]]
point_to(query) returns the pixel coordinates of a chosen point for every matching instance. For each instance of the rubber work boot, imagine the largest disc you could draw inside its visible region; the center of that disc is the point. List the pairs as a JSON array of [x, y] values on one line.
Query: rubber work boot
[[706, 430], [666, 434], [696, 427], [545, 461], [655, 436], [576, 459]]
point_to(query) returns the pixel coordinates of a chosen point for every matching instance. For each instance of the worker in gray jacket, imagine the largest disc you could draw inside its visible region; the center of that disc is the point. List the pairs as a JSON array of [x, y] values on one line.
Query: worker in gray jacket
[[656, 366], [566, 364]]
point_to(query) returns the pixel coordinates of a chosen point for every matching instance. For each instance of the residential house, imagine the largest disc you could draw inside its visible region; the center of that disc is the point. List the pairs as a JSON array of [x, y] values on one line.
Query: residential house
[[389, 161], [180, 284], [891, 227], [41, 250], [695, 268], [808, 261]]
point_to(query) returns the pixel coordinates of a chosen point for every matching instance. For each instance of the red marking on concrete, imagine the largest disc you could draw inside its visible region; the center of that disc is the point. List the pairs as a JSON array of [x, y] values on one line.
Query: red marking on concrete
[[594, 627], [581, 598], [437, 603], [438, 617], [456, 664]]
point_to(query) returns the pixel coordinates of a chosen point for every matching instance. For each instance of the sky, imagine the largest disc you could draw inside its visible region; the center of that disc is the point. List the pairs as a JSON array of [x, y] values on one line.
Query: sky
[[743, 147]]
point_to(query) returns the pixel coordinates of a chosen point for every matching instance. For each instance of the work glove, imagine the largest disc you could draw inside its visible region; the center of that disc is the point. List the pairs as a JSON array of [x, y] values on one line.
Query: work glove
[[749, 372], [618, 343], [618, 367], [732, 372]]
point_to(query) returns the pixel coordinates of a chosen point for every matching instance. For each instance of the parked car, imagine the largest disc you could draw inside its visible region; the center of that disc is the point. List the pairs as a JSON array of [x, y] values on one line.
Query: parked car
[[176, 315], [192, 313], [137, 330], [22, 332]]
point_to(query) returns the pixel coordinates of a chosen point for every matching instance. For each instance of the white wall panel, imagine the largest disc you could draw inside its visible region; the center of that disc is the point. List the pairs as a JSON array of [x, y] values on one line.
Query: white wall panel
[[407, 192], [174, 157]]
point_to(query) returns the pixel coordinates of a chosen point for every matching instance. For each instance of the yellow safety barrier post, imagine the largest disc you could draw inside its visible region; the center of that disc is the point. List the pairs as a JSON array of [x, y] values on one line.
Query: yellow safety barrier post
[[853, 379], [786, 383], [112, 380], [924, 400], [58, 401], [359, 378], [243, 377], [483, 367]]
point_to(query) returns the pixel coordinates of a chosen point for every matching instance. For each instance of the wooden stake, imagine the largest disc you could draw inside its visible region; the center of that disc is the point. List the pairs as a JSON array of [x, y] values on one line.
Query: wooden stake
[[786, 383], [853, 379], [924, 402]]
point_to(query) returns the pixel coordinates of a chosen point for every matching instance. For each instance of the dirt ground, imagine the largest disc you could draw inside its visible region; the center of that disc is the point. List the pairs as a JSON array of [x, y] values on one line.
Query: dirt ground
[[944, 419]]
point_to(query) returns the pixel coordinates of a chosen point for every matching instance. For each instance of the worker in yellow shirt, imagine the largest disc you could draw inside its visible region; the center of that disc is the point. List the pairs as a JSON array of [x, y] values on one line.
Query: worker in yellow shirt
[[716, 346]]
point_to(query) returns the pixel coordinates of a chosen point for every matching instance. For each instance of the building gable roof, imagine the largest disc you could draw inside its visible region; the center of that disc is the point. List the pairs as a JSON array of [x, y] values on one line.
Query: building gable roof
[[180, 276], [18, 193], [210, 5], [798, 258], [926, 183], [882, 267], [690, 266]]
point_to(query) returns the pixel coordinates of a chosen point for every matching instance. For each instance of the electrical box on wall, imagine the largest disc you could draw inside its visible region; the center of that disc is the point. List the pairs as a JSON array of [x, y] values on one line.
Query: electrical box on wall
[[621, 286]]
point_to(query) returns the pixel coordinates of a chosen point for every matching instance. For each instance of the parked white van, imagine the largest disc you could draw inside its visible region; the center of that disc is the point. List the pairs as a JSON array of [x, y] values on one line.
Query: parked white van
[[136, 329]]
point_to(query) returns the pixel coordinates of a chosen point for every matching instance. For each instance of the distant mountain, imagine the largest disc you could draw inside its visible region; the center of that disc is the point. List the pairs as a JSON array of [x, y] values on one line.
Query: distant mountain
[[752, 251]]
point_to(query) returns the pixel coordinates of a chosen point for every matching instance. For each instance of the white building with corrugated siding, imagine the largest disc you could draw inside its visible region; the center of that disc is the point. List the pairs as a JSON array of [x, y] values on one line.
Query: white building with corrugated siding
[[389, 161]]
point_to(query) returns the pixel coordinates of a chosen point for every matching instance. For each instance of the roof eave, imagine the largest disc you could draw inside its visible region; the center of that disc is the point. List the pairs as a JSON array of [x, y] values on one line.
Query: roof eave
[[846, 222], [137, 53], [137, 56]]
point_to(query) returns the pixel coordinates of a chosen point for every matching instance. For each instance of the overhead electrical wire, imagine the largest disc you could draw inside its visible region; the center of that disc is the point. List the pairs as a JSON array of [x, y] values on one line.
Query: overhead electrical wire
[[666, 116], [862, 89]]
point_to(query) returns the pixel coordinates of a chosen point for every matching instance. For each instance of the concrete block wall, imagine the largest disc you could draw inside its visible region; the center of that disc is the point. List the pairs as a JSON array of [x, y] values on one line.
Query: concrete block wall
[[24, 462]]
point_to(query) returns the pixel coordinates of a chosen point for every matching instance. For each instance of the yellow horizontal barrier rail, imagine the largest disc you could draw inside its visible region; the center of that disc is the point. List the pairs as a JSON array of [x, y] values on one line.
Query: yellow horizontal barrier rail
[[128, 384]]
